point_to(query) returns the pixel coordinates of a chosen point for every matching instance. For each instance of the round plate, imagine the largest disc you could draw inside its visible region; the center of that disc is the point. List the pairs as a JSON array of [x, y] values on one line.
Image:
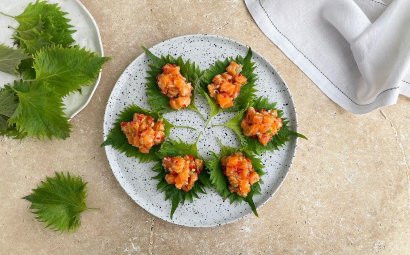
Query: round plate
[[135, 177], [87, 35]]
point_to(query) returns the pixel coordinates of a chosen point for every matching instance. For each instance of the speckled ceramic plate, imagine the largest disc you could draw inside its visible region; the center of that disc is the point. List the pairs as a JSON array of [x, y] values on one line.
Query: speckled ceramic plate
[[87, 35], [135, 177]]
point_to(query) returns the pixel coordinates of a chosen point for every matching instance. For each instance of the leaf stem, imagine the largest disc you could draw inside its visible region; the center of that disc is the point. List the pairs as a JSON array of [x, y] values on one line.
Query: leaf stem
[[12, 87], [219, 142], [185, 127], [4, 14], [208, 121], [197, 111], [197, 139], [298, 135]]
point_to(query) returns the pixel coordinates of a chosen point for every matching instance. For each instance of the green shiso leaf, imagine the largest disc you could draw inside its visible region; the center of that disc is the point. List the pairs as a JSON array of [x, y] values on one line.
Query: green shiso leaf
[[67, 69], [118, 140], [285, 133], [39, 112], [52, 68], [8, 104], [158, 101], [177, 196], [8, 101], [10, 59], [172, 148], [247, 92], [220, 181], [59, 201], [213, 107], [42, 25], [26, 70]]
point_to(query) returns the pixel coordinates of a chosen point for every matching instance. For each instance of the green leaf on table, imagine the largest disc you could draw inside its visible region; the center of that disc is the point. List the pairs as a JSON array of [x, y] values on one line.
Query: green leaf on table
[[119, 141], [220, 181], [177, 196], [247, 92], [59, 201], [10, 59], [67, 69], [41, 25], [158, 101], [39, 112], [284, 135]]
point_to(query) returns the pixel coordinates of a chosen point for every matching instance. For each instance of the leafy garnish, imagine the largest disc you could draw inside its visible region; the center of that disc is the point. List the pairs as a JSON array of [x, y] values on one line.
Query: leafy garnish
[[58, 201], [284, 135], [3, 125], [10, 59], [158, 101], [220, 181], [42, 25], [51, 68], [39, 112], [8, 101], [26, 69], [177, 196], [67, 69], [247, 92], [118, 140], [8, 105]]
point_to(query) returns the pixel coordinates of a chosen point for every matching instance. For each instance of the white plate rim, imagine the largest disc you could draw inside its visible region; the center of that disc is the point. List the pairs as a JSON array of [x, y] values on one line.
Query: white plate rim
[[100, 51], [123, 184]]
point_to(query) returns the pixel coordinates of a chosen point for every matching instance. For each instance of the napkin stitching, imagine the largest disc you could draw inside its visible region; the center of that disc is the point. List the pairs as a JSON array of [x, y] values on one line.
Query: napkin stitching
[[267, 15], [378, 2]]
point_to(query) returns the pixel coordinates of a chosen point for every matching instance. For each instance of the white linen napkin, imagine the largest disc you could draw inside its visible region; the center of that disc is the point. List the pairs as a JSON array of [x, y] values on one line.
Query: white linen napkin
[[356, 51]]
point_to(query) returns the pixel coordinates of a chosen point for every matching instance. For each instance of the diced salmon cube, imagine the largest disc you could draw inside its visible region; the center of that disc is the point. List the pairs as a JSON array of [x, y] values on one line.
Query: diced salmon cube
[[227, 87], [253, 178], [264, 139], [240, 79], [170, 69], [224, 100], [217, 79], [234, 68], [170, 178]]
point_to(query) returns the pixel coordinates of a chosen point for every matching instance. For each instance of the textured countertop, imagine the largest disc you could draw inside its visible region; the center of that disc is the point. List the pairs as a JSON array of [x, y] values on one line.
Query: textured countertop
[[346, 193]]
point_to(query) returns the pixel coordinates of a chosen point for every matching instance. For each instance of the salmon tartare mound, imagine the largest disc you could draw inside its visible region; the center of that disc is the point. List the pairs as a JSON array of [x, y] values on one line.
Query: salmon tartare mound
[[175, 86], [225, 87], [261, 124], [240, 172], [182, 172], [144, 132]]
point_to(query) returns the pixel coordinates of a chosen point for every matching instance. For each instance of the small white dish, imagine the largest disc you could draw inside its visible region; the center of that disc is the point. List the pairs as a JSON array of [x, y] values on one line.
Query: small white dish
[[136, 178], [87, 35]]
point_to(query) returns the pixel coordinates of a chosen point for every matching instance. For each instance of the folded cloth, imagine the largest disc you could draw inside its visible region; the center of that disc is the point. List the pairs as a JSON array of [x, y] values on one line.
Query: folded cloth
[[356, 51]]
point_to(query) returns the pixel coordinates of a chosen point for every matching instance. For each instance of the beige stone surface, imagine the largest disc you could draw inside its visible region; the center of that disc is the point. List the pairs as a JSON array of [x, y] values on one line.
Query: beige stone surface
[[347, 191]]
